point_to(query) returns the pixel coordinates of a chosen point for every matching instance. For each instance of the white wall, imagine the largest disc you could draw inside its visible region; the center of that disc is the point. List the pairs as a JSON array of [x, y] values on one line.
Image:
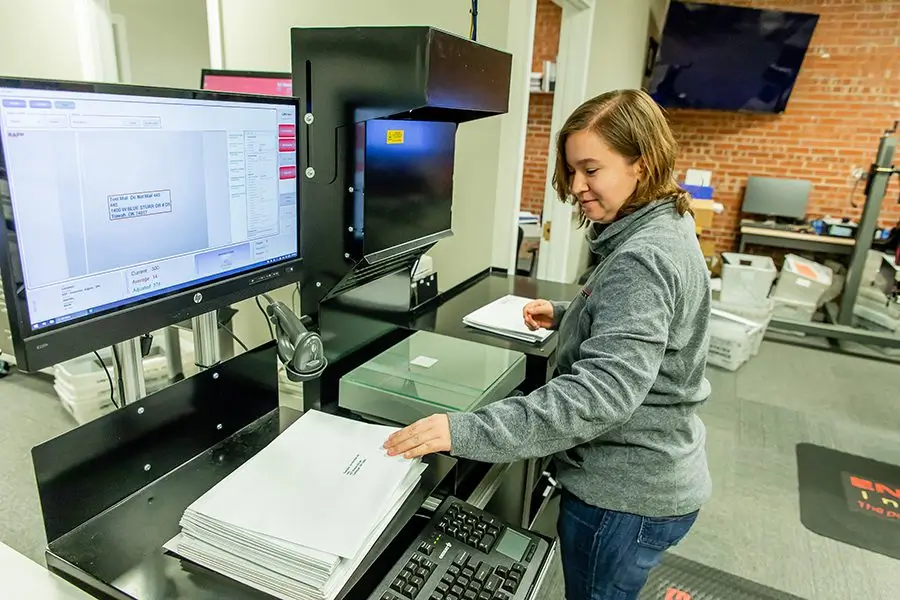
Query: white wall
[[618, 51], [256, 35], [168, 41], [38, 38]]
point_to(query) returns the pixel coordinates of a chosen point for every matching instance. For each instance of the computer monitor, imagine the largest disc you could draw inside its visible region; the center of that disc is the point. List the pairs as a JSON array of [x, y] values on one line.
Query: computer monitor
[[247, 82], [775, 197], [128, 209]]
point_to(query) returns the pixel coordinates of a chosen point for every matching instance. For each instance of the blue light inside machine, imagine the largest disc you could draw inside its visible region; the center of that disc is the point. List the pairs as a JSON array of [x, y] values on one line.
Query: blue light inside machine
[[406, 177]]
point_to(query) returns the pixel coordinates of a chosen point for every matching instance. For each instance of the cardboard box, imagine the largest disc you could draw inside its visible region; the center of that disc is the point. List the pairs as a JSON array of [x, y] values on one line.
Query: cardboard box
[[708, 247], [703, 214]]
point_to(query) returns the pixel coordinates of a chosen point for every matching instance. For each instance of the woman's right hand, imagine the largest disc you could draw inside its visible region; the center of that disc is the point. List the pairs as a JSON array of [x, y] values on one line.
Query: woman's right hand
[[538, 314]]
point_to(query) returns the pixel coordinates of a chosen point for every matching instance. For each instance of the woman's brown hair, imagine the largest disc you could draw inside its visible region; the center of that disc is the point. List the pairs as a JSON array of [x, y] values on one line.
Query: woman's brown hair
[[633, 125]]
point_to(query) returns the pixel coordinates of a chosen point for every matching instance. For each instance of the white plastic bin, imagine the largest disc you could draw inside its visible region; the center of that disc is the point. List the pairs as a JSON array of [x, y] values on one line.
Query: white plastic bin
[[794, 310], [746, 278], [802, 281], [761, 314], [732, 340]]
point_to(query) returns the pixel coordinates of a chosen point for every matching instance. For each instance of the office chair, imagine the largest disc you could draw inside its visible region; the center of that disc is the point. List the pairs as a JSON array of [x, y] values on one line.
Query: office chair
[[533, 252]]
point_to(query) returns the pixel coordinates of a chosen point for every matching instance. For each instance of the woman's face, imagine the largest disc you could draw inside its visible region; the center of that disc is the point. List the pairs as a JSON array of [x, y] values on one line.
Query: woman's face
[[601, 179]]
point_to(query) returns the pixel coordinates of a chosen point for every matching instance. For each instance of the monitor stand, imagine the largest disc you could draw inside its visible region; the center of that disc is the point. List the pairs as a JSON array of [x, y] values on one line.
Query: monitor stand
[[129, 356]]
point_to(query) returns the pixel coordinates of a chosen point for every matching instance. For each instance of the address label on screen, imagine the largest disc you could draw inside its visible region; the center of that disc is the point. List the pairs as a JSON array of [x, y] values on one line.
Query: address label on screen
[[139, 204]]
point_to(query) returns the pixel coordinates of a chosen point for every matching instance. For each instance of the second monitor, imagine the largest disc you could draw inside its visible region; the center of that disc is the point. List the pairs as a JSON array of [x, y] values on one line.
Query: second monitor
[[776, 197]]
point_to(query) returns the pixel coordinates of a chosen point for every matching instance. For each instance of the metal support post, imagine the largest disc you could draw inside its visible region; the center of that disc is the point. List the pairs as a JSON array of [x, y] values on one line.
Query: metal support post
[[172, 347], [865, 233], [130, 371], [206, 340]]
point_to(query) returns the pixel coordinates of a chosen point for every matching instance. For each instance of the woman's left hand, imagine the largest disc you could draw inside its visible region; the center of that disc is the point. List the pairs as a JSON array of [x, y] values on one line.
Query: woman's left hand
[[425, 436]]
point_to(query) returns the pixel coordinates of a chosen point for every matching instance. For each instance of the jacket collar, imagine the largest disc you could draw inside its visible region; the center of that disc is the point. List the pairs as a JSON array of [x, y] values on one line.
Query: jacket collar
[[604, 238]]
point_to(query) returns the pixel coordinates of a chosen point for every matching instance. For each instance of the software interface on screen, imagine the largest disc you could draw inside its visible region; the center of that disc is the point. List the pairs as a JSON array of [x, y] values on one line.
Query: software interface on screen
[[247, 84], [120, 198]]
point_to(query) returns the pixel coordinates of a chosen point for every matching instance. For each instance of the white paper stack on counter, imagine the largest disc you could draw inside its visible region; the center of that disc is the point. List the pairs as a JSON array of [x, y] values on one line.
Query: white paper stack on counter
[[504, 317], [297, 519]]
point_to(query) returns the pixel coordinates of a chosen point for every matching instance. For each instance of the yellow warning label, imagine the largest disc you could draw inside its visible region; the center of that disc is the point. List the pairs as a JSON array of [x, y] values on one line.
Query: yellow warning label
[[395, 136]]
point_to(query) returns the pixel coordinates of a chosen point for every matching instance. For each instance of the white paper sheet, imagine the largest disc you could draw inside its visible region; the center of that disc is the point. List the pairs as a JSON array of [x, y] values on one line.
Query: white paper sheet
[[322, 471], [504, 317]]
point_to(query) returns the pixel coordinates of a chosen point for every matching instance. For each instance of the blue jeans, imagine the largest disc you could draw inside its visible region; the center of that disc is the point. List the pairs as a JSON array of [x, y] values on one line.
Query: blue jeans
[[607, 555]]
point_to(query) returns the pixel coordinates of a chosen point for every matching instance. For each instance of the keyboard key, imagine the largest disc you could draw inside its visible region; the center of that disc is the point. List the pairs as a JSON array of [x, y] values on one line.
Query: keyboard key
[[518, 568], [484, 596], [468, 572], [436, 596], [457, 590], [448, 579], [417, 581], [405, 574], [493, 531], [426, 548], [462, 559], [442, 588], [430, 565], [473, 540], [453, 571], [410, 591], [486, 543], [482, 527], [493, 584], [501, 571], [463, 581], [470, 595], [398, 584], [501, 596], [482, 574]]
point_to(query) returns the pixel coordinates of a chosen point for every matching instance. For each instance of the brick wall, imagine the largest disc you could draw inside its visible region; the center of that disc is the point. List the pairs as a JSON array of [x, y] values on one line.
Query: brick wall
[[839, 107], [540, 108]]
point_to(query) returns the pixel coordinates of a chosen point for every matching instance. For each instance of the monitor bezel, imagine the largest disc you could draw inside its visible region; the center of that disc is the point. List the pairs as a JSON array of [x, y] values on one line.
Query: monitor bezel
[[38, 349], [249, 74]]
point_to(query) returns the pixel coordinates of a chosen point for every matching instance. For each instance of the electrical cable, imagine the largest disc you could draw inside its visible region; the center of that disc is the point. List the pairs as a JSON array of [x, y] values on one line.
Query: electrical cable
[[227, 330], [853, 191], [112, 387], [473, 23], [266, 317]]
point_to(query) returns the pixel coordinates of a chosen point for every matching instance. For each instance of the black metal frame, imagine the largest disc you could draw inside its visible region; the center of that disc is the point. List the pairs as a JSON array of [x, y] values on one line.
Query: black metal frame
[[39, 349], [113, 491]]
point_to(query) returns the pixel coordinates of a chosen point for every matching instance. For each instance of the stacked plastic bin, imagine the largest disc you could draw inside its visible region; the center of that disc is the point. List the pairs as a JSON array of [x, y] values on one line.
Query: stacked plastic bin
[[742, 313], [801, 286]]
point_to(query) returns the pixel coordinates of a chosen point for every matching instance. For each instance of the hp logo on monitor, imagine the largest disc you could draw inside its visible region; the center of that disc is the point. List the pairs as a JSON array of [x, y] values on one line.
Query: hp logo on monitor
[[198, 298]]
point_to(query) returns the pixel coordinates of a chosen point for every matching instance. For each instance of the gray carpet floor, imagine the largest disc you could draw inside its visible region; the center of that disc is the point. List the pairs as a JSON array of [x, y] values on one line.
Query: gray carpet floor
[[750, 528]]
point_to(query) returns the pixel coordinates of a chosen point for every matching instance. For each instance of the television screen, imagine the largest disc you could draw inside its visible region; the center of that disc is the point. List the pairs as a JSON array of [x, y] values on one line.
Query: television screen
[[729, 58], [247, 82]]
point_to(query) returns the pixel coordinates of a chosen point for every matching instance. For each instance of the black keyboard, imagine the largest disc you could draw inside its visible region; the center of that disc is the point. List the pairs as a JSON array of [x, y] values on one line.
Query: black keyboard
[[465, 554]]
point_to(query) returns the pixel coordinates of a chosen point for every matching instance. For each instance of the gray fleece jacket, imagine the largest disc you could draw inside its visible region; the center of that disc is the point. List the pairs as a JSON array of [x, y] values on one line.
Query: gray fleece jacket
[[620, 415]]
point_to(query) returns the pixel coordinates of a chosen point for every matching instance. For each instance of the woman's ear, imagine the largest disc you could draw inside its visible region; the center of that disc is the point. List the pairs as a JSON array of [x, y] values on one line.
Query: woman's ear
[[638, 167]]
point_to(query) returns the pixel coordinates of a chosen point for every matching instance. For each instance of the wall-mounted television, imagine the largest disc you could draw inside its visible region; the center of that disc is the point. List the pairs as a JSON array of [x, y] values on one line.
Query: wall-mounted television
[[729, 57]]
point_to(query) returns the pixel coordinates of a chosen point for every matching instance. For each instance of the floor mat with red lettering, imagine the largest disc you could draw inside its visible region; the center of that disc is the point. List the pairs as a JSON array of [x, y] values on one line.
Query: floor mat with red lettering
[[850, 498]]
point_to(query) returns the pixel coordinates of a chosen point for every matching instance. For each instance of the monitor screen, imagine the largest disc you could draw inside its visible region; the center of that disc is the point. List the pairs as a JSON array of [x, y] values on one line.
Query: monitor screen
[[119, 199], [406, 175], [776, 197], [729, 58], [248, 82]]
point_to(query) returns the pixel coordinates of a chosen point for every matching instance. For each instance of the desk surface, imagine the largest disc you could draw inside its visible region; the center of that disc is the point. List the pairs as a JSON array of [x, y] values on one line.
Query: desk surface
[[447, 318], [21, 577], [796, 235]]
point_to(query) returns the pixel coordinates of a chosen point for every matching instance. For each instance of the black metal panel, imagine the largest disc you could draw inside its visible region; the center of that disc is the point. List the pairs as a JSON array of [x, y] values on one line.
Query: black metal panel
[[85, 471], [119, 553], [345, 76]]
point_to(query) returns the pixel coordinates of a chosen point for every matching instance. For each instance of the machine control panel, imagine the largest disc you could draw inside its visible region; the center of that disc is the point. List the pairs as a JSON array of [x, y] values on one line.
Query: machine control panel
[[465, 554]]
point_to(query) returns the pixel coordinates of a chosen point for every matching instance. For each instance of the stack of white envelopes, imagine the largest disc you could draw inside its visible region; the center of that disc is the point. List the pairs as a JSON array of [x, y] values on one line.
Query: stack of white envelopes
[[505, 317], [297, 519]]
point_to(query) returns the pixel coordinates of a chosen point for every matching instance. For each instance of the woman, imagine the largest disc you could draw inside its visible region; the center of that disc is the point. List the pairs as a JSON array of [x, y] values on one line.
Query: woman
[[620, 415]]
